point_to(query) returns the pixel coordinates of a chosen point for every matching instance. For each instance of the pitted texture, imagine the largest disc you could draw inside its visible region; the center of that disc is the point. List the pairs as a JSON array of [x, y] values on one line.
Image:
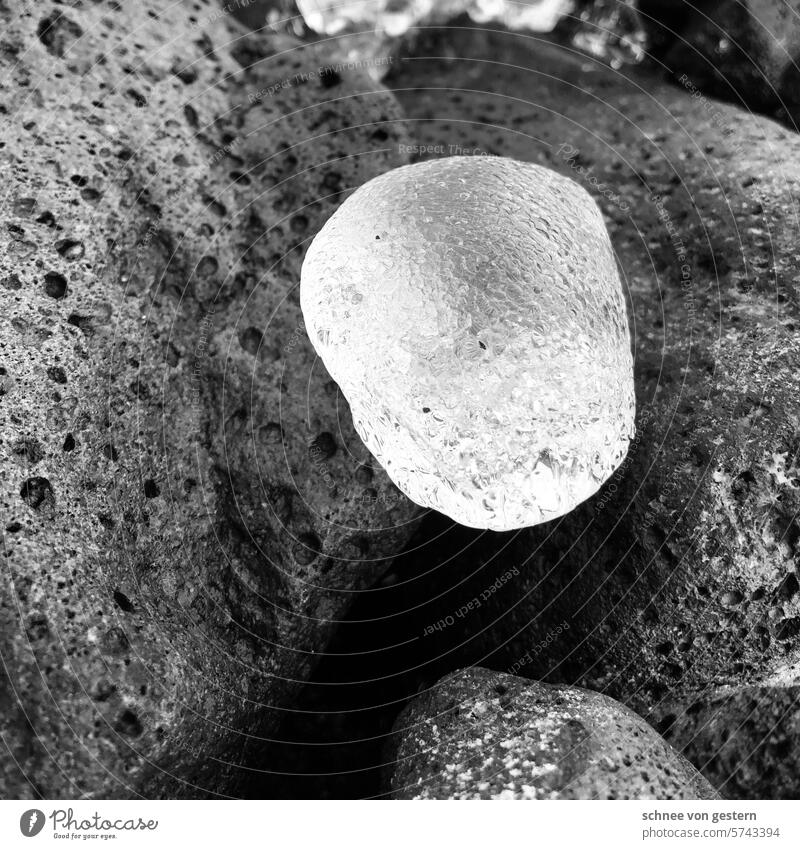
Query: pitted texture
[[471, 311], [488, 735], [741, 738], [680, 577], [182, 517]]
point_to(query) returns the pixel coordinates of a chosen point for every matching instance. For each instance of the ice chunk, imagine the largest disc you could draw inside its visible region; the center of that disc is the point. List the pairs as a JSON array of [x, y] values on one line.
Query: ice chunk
[[471, 311], [395, 18]]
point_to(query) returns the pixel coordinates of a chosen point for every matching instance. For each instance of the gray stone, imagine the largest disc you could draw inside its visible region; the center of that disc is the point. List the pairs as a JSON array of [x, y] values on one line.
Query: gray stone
[[681, 573], [174, 552], [487, 735], [743, 739], [744, 51]]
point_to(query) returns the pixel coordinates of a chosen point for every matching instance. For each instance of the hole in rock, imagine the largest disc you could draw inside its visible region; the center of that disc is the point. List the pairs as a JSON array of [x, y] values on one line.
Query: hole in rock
[[55, 284], [37, 493], [128, 723], [123, 602]]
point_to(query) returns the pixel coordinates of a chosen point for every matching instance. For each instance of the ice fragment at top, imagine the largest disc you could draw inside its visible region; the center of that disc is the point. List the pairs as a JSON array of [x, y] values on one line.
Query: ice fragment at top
[[395, 18], [471, 311]]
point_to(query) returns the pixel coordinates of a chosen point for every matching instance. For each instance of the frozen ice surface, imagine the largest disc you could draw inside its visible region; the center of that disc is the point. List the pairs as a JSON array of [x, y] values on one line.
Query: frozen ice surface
[[471, 311]]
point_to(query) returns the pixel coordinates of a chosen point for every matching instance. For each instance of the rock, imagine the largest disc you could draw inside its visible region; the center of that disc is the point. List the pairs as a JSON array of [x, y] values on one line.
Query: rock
[[257, 14], [471, 311], [741, 738], [677, 576], [173, 554], [486, 735], [744, 51]]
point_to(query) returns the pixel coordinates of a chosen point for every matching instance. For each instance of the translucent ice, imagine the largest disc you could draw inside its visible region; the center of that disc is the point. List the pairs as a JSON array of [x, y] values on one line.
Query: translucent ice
[[471, 311], [395, 18]]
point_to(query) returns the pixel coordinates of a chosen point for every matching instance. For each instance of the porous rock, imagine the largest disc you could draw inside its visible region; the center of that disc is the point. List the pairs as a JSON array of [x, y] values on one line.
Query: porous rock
[[486, 735], [744, 51], [681, 573], [743, 739], [173, 547]]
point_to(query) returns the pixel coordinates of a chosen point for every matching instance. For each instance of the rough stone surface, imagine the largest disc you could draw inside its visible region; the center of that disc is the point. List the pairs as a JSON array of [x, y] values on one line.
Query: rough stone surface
[[681, 574], [182, 512], [743, 739], [745, 51], [471, 311], [486, 735]]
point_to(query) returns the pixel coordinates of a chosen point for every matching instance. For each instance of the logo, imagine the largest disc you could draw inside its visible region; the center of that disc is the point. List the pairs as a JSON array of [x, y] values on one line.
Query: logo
[[31, 822]]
